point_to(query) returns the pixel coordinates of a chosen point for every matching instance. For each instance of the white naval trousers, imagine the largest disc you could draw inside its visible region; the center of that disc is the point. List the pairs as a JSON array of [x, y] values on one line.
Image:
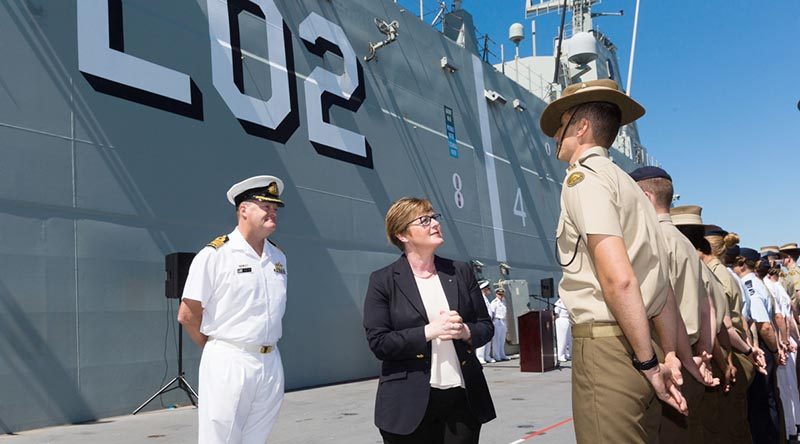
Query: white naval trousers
[[499, 339], [563, 338], [788, 390], [484, 353], [240, 394]]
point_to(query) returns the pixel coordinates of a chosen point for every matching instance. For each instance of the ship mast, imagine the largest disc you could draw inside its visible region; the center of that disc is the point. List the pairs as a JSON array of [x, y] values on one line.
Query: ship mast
[[581, 11]]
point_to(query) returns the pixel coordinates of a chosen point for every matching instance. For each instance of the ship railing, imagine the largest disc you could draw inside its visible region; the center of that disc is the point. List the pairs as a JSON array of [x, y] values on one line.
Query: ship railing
[[626, 145]]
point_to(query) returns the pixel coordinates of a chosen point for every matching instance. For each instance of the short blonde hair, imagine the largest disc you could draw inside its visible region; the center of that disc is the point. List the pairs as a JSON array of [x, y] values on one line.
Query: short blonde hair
[[717, 243], [401, 213]]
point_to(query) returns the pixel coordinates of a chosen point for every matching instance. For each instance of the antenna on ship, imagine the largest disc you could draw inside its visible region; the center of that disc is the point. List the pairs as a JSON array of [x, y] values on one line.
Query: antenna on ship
[[440, 13], [485, 52], [633, 48], [516, 33], [560, 40]]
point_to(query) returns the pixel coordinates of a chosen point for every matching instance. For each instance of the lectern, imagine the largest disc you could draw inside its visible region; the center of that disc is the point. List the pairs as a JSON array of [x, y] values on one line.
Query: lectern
[[536, 351]]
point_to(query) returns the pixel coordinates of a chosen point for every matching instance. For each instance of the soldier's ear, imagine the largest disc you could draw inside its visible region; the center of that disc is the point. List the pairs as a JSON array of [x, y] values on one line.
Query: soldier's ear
[[583, 126]]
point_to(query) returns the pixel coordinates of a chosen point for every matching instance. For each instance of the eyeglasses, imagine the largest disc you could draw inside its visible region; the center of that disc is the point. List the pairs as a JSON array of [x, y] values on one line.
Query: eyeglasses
[[425, 221]]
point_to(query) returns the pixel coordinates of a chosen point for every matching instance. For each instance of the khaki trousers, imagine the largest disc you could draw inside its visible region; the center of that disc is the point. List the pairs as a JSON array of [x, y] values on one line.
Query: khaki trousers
[[716, 415], [679, 429], [612, 402], [733, 405]]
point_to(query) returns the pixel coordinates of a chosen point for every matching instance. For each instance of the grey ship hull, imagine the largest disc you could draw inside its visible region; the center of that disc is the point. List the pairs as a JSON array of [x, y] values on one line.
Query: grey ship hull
[[100, 181]]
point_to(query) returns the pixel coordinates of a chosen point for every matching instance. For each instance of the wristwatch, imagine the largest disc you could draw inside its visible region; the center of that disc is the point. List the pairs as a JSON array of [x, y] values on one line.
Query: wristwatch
[[646, 365]]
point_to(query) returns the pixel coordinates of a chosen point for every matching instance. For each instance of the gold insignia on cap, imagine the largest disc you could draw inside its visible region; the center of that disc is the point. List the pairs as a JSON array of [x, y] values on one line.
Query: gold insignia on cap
[[218, 242], [575, 178], [273, 189]]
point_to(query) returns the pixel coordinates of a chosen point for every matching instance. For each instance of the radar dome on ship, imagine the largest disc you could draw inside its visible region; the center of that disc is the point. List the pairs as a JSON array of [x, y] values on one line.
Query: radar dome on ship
[[516, 33], [582, 48]]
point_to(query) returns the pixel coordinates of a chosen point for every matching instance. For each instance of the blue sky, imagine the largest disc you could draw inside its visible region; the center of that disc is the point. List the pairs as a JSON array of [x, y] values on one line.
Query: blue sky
[[721, 83]]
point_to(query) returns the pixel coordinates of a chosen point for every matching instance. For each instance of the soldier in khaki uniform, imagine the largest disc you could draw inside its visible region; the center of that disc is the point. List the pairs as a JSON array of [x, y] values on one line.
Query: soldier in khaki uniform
[[791, 279], [734, 404], [716, 409], [693, 305], [605, 221], [687, 220]]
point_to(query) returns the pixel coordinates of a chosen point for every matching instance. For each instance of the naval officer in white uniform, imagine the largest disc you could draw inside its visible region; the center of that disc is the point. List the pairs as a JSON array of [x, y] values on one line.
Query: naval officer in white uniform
[[500, 329], [233, 302], [563, 332], [484, 353]]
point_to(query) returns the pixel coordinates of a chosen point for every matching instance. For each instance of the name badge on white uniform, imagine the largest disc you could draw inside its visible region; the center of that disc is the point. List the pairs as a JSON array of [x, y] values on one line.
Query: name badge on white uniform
[[244, 269]]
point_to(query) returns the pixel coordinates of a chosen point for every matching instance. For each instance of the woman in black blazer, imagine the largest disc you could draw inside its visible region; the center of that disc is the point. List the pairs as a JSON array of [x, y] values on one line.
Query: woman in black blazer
[[424, 316]]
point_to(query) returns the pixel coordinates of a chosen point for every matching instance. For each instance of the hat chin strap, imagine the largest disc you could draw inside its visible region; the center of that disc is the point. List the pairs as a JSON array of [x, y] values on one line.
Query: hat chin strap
[[569, 123]]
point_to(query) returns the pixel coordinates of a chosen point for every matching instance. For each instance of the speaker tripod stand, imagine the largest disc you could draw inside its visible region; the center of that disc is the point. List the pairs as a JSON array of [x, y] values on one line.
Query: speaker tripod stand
[[179, 380]]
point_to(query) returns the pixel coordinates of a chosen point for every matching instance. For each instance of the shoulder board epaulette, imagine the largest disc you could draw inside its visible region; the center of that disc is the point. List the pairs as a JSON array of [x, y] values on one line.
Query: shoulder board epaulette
[[218, 242], [276, 246]]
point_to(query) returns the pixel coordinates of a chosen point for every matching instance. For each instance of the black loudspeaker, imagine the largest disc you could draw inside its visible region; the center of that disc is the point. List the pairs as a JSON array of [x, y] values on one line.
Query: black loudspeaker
[[177, 267], [547, 288]]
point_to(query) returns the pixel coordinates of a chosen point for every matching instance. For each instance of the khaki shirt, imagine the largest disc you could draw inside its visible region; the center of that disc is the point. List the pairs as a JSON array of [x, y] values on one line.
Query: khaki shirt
[[732, 290], [684, 275], [598, 197], [717, 291], [791, 281]]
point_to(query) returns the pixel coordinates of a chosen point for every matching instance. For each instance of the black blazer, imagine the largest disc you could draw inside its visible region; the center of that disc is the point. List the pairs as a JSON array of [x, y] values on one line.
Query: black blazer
[[395, 319]]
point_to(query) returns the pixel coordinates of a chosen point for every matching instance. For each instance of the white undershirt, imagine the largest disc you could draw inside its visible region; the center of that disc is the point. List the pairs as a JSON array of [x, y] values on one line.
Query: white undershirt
[[445, 370]]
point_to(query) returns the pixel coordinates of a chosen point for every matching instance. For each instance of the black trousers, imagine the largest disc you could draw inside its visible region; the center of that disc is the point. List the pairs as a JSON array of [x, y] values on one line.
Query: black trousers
[[762, 403], [447, 420]]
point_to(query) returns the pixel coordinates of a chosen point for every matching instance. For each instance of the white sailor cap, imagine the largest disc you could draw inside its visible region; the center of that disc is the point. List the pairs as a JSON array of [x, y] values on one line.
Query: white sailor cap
[[483, 283], [260, 188]]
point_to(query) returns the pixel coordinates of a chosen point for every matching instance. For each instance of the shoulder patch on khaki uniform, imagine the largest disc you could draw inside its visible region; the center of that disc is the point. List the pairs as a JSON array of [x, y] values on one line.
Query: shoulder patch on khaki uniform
[[276, 246], [218, 242], [575, 178]]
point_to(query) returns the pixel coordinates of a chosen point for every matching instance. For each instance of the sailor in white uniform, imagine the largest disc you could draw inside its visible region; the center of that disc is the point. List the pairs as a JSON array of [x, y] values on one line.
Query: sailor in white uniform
[[484, 353], [232, 306], [563, 332], [500, 329], [787, 376]]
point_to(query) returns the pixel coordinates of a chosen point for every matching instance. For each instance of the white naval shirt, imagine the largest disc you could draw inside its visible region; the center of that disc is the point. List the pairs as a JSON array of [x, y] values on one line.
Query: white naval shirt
[[499, 309], [561, 309], [243, 295], [761, 307], [489, 307], [782, 299]]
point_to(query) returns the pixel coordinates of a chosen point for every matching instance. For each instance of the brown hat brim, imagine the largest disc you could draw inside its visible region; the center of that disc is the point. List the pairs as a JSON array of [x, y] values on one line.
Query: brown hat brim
[[551, 117], [790, 251]]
